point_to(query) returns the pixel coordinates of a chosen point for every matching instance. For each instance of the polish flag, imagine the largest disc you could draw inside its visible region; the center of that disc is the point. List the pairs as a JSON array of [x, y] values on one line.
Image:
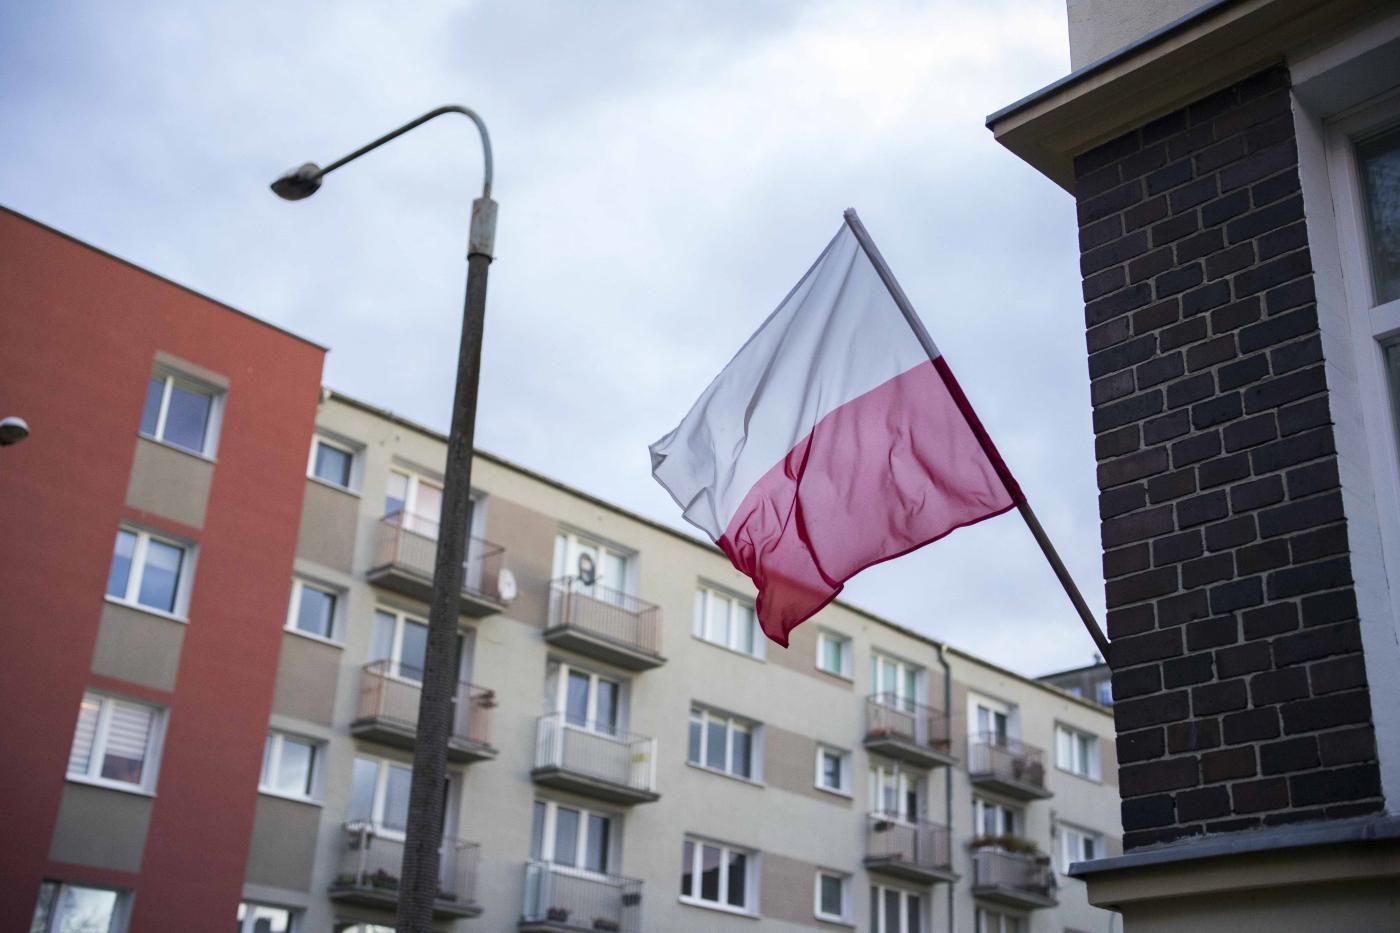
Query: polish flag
[[834, 440]]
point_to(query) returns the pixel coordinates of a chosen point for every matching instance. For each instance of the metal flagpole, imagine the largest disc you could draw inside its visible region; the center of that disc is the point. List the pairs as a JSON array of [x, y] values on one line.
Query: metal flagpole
[[1022, 506]]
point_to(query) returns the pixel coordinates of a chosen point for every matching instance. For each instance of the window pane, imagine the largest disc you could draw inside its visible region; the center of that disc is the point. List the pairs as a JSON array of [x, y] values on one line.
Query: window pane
[[395, 493], [414, 649], [150, 411], [537, 831], [699, 621], [743, 753], [614, 575], [738, 877], [85, 910], [294, 770], [914, 904], [80, 757], [831, 770], [427, 509], [121, 564], [160, 576], [565, 836], [332, 464], [316, 611], [363, 777], [187, 417], [709, 873], [875, 910], [596, 858], [396, 796], [717, 621], [831, 895], [743, 628], [269, 919], [576, 699], [692, 753], [892, 919], [714, 743], [687, 869], [381, 643], [128, 733], [1380, 171], [606, 716]]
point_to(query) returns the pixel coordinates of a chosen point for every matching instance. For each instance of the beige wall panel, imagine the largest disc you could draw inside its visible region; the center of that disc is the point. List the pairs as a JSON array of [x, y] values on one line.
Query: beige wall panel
[[328, 522], [137, 646], [801, 655], [282, 848], [169, 482], [787, 890], [528, 537], [306, 679], [959, 722], [1108, 760], [100, 827], [790, 763]]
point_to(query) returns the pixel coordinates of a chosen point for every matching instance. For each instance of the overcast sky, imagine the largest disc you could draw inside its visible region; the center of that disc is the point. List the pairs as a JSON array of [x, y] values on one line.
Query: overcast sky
[[666, 171]]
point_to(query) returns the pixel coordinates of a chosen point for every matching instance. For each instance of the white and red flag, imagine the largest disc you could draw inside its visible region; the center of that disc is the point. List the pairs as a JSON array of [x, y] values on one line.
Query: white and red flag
[[835, 439]]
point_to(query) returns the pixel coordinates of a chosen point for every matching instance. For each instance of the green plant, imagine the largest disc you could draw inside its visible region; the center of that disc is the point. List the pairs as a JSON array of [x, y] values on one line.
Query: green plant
[[1006, 843]]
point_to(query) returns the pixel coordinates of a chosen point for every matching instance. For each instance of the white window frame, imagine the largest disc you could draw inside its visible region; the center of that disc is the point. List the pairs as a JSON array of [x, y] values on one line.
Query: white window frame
[[272, 760], [1103, 692], [732, 724], [170, 376], [1010, 820], [847, 783], [121, 910], [906, 674], [705, 594], [1071, 847], [976, 702], [567, 543], [562, 669], [356, 466], [183, 583], [879, 922], [155, 740], [380, 797], [845, 880], [246, 926], [337, 633], [1083, 749], [751, 876], [847, 671], [395, 658], [551, 825], [1005, 921], [904, 783]]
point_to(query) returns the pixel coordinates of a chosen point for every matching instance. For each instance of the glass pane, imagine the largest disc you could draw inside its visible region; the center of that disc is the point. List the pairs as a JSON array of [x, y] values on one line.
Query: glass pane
[[160, 576], [614, 569], [395, 493], [427, 509], [915, 905], [606, 716], [889, 679], [692, 753], [187, 417], [150, 412], [332, 464], [892, 918], [381, 643], [414, 649], [121, 564], [295, 767], [363, 776], [831, 654], [709, 873], [743, 628], [831, 895], [565, 836], [271, 920], [316, 611], [699, 621], [687, 869], [1380, 171], [80, 756], [831, 770], [537, 831], [714, 743], [85, 910], [396, 796], [596, 856], [875, 910], [717, 620], [743, 752], [128, 734], [576, 699], [738, 878], [43, 910]]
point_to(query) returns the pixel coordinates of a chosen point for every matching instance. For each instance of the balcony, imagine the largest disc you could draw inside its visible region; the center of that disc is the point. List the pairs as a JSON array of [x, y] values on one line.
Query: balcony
[[1007, 766], [917, 852], [910, 732], [405, 553], [612, 766], [568, 900], [604, 624], [388, 712], [1013, 879], [368, 872]]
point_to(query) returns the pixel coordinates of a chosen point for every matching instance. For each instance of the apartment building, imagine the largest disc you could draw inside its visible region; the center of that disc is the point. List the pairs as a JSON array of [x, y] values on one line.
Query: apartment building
[[1092, 681], [218, 721]]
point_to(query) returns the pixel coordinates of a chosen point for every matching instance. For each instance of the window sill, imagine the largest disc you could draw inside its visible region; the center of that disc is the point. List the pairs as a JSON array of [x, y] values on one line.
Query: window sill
[[721, 908], [294, 798], [1083, 777], [743, 654], [313, 637], [725, 774], [207, 458], [849, 678], [834, 921], [138, 607], [336, 486], [846, 794], [110, 785]]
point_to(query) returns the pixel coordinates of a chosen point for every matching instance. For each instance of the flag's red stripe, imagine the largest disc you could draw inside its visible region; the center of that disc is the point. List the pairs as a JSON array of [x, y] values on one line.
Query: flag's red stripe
[[980, 432], [881, 475]]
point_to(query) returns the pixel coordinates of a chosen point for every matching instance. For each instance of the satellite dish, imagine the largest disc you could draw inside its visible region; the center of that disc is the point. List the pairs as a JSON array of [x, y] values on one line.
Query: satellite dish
[[587, 570], [505, 585]]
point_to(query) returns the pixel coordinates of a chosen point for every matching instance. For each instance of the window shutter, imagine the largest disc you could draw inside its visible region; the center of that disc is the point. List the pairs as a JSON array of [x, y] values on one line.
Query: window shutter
[[80, 757], [128, 734]]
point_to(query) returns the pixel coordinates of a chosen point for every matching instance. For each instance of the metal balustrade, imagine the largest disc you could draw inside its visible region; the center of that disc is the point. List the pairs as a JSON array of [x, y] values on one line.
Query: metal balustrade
[[405, 555], [605, 624], [603, 763], [367, 872], [1007, 766], [559, 899], [1013, 878], [388, 711], [900, 728], [919, 852]]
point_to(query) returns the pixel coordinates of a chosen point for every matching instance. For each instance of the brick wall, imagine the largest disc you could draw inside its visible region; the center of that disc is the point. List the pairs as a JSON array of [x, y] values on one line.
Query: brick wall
[[1240, 694]]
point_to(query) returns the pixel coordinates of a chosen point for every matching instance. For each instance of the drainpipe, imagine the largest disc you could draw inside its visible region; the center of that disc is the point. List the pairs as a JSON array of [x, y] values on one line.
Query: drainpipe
[[948, 772]]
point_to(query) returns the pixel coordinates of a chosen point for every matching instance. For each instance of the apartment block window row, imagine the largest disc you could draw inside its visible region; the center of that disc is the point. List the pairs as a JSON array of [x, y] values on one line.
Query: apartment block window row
[[181, 412], [149, 570], [728, 621], [115, 743], [722, 742], [717, 875], [72, 908], [290, 766]]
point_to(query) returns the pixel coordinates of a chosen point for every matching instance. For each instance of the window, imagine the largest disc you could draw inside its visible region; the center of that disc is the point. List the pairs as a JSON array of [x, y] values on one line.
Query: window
[[181, 412], [896, 794], [260, 918], [148, 571], [833, 896], [895, 682], [833, 770], [1077, 752], [1078, 845], [721, 743], [402, 640], [895, 911], [1104, 692], [290, 766], [1075, 691], [415, 500], [993, 921], [715, 875], [333, 462], [313, 610], [991, 819], [379, 794], [834, 654], [727, 621], [1378, 161], [71, 908], [573, 837], [588, 700], [115, 742], [601, 570], [990, 720]]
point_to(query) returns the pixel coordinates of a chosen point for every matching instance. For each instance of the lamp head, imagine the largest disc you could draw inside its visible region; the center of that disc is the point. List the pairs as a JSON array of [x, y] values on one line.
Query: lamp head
[[12, 431], [301, 182]]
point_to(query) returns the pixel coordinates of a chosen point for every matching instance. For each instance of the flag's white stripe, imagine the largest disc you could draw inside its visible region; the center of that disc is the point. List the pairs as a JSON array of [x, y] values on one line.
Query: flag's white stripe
[[838, 335]]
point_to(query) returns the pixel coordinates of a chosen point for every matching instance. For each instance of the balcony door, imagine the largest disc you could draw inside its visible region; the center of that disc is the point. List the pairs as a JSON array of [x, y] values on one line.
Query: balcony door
[[573, 837], [990, 721], [589, 701], [896, 683], [895, 794], [599, 571]]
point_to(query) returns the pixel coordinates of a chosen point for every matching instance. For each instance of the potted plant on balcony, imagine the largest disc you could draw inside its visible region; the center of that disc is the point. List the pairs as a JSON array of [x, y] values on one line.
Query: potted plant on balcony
[[382, 879], [1013, 844], [882, 825], [631, 898], [605, 924], [557, 915]]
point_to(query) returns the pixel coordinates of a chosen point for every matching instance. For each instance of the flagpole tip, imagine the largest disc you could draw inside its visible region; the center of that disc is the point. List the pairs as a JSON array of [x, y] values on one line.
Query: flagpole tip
[[849, 212]]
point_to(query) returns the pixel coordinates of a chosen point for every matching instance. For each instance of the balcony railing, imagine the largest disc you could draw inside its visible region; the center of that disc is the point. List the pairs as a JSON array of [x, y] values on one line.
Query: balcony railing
[[1013, 878], [911, 732], [562, 899], [918, 852], [1007, 766], [605, 624], [602, 763], [388, 711], [369, 864], [405, 554]]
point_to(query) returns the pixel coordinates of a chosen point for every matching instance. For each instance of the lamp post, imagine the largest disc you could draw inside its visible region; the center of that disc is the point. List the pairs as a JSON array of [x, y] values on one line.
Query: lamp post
[[418, 879]]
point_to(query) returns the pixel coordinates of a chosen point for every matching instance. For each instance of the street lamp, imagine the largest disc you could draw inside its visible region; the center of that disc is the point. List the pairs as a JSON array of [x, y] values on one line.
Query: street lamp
[[418, 879]]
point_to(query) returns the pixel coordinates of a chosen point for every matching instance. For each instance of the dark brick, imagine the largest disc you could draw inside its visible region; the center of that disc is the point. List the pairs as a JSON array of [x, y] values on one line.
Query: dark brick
[[1313, 478], [1162, 127], [1180, 335], [1231, 533], [1235, 315], [1233, 825], [1107, 153], [1156, 315], [1242, 659], [1237, 594], [1151, 711], [1347, 746], [1210, 569], [1178, 610], [1305, 513], [1127, 560], [1152, 837], [1152, 264], [1208, 108], [1326, 712], [1189, 195], [1120, 302], [1301, 416], [1212, 295], [1166, 427], [1258, 558], [1251, 726], [1207, 803], [1242, 372], [1137, 527], [1110, 202], [1133, 620], [1271, 393], [1217, 410], [1202, 244], [1222, 209], [1273, 619], [1326, 608], [1108, 334], [1227, 764], [1296, 355], [1261, 164], [1141, 586], [1101, 283], [1231, 260], [1288, 755], [1345, 811], [1100, 233], [1278, 329], [1148, 812], [1283, 240], [1177, 548], [1193, 389], [1123, 355], [1269, 687], [1310, 578], [1351, 783], [1223, 470], [1250, 432], [1211, 352], [1274, 272], [1345, 673], [1171, 486], [1159, 370], [1265, 219], [1168, 231], [1202, 508], [1148, 212], [1298, 448], [1124, 440], [1256, 494], [1139, 163], [1134, 408], [1113, 253], [1135, 682], [1115, 386], [1305, 815], [1152, 646], [1195, 449], [1221, 153], [1178, 280], [1315, 545], [1313, 643], [1122, 499], [1295, 293], [1224, 697], [1184, 672], [1263, 108], [1257, 796], [1155, 776], [1169, 177], [1271, 189], [1212, 633], [1193, 735]]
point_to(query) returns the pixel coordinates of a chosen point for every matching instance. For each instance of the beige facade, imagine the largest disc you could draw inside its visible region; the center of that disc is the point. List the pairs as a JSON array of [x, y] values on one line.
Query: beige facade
[[637, 774]]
